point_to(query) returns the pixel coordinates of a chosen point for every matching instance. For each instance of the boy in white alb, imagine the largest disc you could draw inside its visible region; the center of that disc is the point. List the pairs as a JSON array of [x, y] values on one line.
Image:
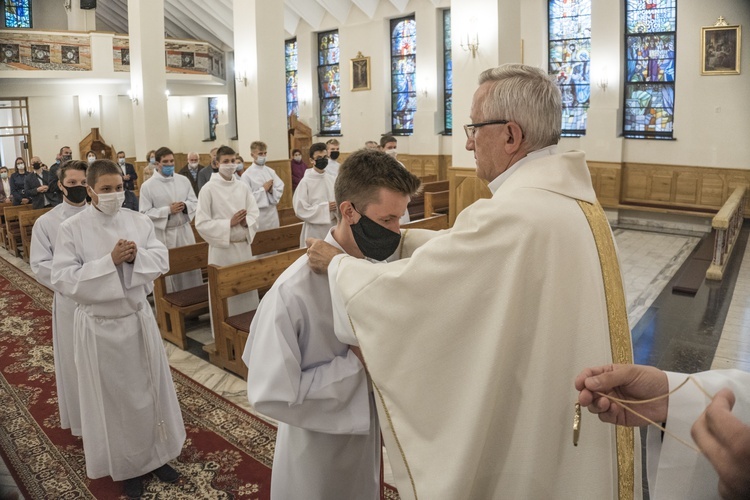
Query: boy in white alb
[[266, 186], [314, 200]]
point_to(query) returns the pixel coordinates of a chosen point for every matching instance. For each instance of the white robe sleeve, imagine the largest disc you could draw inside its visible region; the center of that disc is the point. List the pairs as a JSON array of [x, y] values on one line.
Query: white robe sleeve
[[331, 397], [158, 215], [307, 210], [85, 282], [342, 326], [150, 263], [253, 213], [257, 189], [274, 196], [674, 470], [215, 231], [40, 256], [191, 202], [412, 239]]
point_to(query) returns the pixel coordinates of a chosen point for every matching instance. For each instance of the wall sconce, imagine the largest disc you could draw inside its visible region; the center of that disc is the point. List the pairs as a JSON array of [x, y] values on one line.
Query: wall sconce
[[133, 96], [167, 93], [241, 77], [471, 44], [603, 81], [90, 110], [187, 111]]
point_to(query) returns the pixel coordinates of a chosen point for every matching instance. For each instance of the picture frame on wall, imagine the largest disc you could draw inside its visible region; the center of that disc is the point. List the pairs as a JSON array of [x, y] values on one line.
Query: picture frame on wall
[[720, 48], [360, 72]]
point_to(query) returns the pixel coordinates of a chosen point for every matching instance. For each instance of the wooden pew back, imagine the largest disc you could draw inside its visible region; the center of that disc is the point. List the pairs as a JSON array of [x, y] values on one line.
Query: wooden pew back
[[228, 281], [3, 236], [279, 239], [287, 217], [12, 227], [436, 223], [26, 220]]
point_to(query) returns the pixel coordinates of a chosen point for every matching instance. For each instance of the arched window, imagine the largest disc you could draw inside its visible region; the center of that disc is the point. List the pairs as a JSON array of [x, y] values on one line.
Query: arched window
[[447, 74], [328, 83], [650, 41], [403, 74], [17, 13], [570, 60], [290, 58]]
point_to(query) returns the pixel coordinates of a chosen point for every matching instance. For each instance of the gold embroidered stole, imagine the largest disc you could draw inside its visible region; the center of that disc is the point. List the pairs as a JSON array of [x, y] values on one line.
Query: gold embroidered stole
[[619, 334]]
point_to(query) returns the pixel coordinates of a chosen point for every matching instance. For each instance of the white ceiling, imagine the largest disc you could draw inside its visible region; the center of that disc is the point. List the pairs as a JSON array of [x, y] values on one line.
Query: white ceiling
[[194, 19]]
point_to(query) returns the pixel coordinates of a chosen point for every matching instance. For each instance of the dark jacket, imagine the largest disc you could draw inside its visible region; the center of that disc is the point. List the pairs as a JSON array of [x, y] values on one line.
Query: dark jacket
[[18, 187], [31, 183], [204, 176], [131, 201], [193, 182], [129, 170], [54, 195]]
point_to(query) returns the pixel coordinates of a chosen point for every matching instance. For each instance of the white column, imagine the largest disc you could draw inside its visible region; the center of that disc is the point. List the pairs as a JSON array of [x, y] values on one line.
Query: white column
[[497, 26], [148, 76], [428, 119], [258, 57], [81, 19]]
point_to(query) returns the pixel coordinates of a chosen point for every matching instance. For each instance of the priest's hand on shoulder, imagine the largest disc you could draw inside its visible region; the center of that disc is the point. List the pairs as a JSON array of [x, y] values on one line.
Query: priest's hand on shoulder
[[320, 254], [627, 382], [725, 441]]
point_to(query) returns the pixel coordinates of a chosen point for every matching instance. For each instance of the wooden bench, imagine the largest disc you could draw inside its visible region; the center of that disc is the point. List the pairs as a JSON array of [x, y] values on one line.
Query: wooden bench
[[435, 223], [26, 220], [436, 203], [3, 238], [172, 308], [230, 332], [287, 217], [416, 206], [13, 229], [279, 239]]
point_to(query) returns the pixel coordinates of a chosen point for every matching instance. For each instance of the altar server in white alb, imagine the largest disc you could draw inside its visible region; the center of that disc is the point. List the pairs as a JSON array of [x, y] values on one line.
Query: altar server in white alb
[[314, 200], [719, 425], [72, 184], [170, 203], [227, 218], [106, 260], [495, 316], [266, 186], [299, 373]]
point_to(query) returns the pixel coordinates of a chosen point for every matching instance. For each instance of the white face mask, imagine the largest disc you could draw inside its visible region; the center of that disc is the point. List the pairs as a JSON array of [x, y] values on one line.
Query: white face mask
[[110, 203], [261, 160], [21, 166], [297, 158], [239, 167], [227, 169], [392, 152], [91, 159], [121, 161], [193, 165]]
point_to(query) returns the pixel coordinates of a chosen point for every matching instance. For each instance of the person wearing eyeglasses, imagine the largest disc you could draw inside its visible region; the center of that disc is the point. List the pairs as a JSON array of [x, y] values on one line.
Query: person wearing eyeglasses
[[472, 339]]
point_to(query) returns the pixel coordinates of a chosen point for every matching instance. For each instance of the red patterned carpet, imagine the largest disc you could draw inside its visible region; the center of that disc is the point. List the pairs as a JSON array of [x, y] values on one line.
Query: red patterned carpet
[[228, 452]]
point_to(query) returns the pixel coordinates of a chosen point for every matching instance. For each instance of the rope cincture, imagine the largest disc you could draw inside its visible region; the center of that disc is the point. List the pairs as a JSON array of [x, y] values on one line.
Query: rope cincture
[[624, 403]]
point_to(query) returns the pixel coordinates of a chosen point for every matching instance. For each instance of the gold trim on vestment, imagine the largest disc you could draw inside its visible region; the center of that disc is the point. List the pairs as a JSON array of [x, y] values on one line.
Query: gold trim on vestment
[[619, 334]]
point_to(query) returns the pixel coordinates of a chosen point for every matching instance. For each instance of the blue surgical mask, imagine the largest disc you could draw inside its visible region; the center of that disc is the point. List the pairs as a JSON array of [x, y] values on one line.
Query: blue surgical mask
[[152, 160], [167, 171]]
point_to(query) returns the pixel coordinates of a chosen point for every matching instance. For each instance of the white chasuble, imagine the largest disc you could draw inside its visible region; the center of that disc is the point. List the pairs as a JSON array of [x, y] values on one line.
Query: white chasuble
[[311, 199], [254, 177], [299, 373], [43, 238], [676, 472], [173, 230], [130, 418], [473, 342], [218, 201]]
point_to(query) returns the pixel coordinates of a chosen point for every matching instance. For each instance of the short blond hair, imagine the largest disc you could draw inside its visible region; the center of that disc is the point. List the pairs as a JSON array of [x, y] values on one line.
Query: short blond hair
[[258, 146]]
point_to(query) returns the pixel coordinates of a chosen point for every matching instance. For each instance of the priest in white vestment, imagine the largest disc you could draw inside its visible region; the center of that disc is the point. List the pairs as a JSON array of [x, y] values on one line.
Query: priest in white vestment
[[227, 218], [106, 260], [72, 184], [472, 341], [299, 373], [314, 200], [719, 425], [266, 186], [170, 203]]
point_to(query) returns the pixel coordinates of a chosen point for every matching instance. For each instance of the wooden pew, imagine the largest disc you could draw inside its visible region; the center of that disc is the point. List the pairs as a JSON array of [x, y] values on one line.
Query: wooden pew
[[3, 237], [230, 332], [436, 223], [26, 220], [287, 217], [172, 308], [12, 228], [280, 239], [436, 202], [416, 206]]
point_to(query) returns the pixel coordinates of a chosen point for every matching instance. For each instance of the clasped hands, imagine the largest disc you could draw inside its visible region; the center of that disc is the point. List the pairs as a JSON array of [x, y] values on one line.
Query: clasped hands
[[124, 251]]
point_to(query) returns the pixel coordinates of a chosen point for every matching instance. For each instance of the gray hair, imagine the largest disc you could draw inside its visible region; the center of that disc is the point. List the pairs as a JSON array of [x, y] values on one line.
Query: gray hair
[[194, 153], [528, 96]]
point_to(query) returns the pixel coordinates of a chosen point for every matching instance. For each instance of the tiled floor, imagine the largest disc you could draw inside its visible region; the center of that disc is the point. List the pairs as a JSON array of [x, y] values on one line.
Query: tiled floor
[[649, 261]]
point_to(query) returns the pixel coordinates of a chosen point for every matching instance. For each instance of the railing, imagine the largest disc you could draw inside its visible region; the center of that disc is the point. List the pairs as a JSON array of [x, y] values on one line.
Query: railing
[[727, 224]]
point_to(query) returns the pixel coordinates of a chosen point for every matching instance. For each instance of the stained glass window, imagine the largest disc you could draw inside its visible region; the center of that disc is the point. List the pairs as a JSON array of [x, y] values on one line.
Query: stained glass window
[[17, 13], [213, 117], [570, 60], [650, 42], [290, 57], [447, 73], [403, 74], [328, 82]]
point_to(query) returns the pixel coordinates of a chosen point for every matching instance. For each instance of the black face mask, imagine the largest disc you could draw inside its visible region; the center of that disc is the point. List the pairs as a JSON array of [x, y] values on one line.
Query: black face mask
[[374, 241], [334, 155], [321, 163], [76, 194]]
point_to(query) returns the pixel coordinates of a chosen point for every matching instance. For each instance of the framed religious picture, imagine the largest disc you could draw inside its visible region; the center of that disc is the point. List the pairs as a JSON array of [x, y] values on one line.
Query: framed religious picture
[[720, 46], [360, 72]]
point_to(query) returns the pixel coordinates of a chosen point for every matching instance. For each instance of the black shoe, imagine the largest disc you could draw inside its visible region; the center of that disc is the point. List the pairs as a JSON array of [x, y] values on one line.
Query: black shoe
[[134, 487], [166, 474]]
